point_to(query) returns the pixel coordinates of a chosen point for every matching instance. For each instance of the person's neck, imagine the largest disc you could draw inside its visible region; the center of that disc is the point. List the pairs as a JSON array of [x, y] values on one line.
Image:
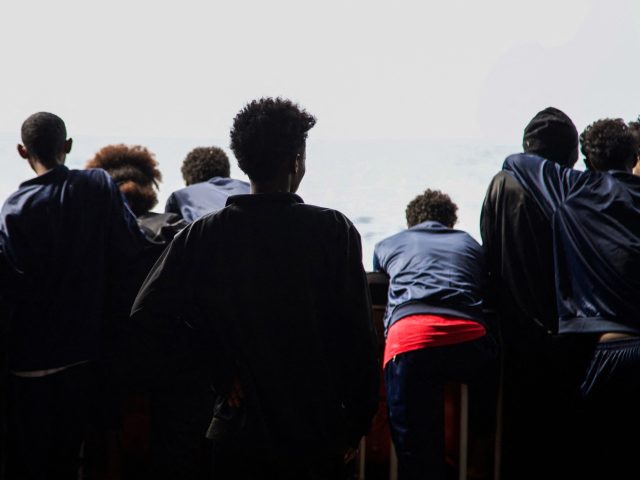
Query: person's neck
[[41, 168], [276, 186]]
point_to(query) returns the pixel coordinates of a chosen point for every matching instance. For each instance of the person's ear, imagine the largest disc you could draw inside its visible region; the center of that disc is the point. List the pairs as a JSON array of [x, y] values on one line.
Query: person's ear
[[22, 151], [67, 145]]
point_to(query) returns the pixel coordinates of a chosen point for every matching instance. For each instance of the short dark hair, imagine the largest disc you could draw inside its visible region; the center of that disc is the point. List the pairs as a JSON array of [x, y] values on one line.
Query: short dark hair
[[609, 144], [44, 135], [267, 132], [135, 170], [552, 135], [204, 163], [432, 205]]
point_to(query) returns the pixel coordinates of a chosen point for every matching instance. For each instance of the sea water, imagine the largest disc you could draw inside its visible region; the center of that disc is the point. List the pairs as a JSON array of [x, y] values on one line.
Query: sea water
[[370, 181]]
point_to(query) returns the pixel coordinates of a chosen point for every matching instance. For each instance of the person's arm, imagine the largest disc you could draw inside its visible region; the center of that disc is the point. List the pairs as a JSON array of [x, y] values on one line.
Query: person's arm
[[126, 240], [361, 363], [162, 345], [547, 182], [172, 206]]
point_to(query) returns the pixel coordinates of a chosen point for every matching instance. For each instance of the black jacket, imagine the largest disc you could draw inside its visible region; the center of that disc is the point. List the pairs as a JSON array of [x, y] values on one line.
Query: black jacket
[[517, 241], [272, 291], [595, 217]]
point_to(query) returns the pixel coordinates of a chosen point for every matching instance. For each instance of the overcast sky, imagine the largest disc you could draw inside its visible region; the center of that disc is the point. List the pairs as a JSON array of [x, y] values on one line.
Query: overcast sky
[[366, 68]]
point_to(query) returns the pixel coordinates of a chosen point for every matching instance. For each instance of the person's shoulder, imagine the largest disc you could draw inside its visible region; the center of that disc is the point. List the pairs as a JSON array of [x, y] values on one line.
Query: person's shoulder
[[325, 214], [525, 160], [466, 237], [92, 176]]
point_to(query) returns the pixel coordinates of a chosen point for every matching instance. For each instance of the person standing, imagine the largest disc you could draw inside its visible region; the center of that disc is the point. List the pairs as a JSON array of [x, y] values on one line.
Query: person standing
[[436, 331], [271, 300], [69, 236], [596, 249], [540, 370]]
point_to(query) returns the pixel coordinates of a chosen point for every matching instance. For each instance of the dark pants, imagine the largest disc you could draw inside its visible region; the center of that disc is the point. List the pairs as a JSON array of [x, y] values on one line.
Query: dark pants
[[48, 419], [414, 384], [236, 463], [611, 393], [541, 417], [179, 421]]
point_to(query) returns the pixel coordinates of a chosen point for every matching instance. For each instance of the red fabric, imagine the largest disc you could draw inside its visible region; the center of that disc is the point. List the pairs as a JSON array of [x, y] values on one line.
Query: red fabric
[[420, 331]]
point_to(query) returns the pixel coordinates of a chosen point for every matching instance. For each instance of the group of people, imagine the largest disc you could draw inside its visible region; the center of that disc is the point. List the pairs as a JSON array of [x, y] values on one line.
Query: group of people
[[553, 286], [245, 314]]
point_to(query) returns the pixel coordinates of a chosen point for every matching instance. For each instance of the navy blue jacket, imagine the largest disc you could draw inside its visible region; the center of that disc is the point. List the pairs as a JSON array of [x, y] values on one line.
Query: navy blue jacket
[[67, 234], [595, 218], [432, 270], [196, 200]]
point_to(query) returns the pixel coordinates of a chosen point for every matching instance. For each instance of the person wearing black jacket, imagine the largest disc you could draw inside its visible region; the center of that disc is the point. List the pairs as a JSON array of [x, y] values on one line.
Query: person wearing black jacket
[[595, 217], [538, 366], [268, 299]]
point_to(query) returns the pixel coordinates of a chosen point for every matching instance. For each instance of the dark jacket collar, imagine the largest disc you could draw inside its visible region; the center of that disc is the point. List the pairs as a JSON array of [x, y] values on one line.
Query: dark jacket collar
[[262, 198], [430, 225], [50, 176]]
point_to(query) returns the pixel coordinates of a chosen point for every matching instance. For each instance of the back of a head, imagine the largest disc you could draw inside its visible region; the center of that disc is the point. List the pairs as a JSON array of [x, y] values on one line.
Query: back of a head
[[552, 135], [609, 144], [432, 205], [44, 135], [268, 132], [203, 163], [135, 170]]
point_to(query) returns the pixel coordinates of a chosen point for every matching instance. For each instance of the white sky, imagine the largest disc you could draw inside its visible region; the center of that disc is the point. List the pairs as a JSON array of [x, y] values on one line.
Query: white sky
[[366, 68]]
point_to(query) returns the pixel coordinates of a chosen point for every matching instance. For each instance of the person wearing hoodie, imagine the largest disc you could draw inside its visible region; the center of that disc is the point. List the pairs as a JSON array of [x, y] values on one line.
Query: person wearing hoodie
[[539, 374]]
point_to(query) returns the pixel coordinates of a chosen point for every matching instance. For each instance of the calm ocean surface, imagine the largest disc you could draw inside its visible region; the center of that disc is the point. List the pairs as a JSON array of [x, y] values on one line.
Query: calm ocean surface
[[369, 181]]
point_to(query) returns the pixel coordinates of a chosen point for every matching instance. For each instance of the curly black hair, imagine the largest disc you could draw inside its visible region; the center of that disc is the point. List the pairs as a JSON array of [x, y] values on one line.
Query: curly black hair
[[135, 170], [268, 132], [608, 144], [203, 163], [432, 205], [44, 135]]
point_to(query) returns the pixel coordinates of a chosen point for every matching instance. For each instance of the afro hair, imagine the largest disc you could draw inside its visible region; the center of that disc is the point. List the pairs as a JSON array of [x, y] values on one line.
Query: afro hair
[[204, 163], [432, 205], [609, 144], [135, 170], [268, 132]]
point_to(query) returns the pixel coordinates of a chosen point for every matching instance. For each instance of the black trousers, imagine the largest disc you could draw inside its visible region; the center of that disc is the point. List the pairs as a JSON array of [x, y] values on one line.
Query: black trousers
[[47, 420]]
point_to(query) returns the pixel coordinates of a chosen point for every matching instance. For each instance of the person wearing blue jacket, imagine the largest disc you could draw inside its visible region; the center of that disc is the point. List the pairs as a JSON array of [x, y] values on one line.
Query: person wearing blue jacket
[[206, 172], [67, 237], [436, 331], [595, 216]]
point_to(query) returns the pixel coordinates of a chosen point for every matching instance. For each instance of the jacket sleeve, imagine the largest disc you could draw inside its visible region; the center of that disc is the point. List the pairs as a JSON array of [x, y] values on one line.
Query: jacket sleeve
[[376, 262], [172, 206], [126, 240], [163, 345], [361, 363], [546, 181]]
